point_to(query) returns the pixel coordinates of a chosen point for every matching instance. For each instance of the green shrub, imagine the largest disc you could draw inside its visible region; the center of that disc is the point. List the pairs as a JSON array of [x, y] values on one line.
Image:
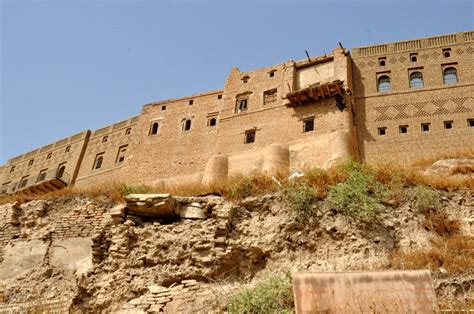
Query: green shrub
[[299, 198], [359, 196], [274, 295], [135, 189], [423, 199]]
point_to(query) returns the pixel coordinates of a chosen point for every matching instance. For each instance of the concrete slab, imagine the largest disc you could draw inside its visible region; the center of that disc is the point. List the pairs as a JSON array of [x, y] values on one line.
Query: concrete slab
[[72, 254], [365, 292]]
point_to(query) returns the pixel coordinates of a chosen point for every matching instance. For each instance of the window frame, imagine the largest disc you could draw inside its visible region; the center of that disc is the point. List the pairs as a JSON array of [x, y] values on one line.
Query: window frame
[[306, 121], [250, 136], [445, 69], [411, 78], [381, 76], [98, 161], [121, 153]]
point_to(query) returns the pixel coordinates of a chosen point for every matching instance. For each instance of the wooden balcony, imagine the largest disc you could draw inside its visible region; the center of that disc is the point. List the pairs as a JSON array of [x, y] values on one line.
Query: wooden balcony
[[315, 92]]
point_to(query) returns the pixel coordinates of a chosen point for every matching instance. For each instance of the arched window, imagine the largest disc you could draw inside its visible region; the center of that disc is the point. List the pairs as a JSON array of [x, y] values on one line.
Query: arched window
[[154, 128], [60, 171], [187, 125], [416, 80], [383, 84], [450, 75]]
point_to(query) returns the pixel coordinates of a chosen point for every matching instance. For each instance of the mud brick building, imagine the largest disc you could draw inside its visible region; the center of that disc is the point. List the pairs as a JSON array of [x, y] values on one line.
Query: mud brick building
[[396, 101]]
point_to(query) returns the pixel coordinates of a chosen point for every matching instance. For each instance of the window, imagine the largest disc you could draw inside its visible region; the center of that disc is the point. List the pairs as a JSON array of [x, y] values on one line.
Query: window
[[42, 175], [425, 127], [60, 170], [403, 129], [163, 107], [448, 124], [450, 76], [12, 168], [187, 125], [245, 79], [104, 139], [308, 124], [212, 122], [154, 128], [249, 136], [68, 149], [470, 123], [383, 84], [382, 61], [99, 158], [447, 52], [219, 96], [121, 154], [49, 155], [241, 105], [30, 163], [128, 131], [271, 73], [382, 131], [416, 79], [191, 102], [23, 181], [413, 57], [269, 96]]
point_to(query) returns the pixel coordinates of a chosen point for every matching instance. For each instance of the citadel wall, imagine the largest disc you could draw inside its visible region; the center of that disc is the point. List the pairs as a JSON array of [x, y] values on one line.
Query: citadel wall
[[291, 115], [436, 116]]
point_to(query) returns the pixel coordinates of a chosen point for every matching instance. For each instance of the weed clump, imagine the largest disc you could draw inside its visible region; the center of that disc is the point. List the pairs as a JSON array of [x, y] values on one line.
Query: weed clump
[[359, 196], [299, 198], [274, 295], [135, 189], [423, 199]]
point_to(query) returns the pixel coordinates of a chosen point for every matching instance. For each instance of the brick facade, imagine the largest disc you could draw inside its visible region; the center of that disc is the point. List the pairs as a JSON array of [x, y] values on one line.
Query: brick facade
[[295, 114]]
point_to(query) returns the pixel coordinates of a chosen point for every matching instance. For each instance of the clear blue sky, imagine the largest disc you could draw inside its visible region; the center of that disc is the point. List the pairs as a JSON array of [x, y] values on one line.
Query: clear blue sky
[[67, 66]]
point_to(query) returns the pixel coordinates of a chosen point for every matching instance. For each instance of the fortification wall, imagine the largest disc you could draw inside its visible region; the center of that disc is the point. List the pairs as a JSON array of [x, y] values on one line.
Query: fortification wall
[[66, 152], [436, 116], [175, 151], [112, 143]]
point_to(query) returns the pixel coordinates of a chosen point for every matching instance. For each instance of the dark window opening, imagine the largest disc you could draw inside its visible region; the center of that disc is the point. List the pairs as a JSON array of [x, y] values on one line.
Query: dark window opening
[[219, 96], [121, 154], [154, 128], [212, 122], [128, 131], [413, 57], [425, 127], [447, 52], [245, 79], [403, 129], [191, 102], [23, 181], [163, 107], [271, 73], [249, 136], [448, 124], [382, 131], [470, 122], [68, 149], [49, 155], [382, 61], [12, 169], [187, 125], [30, 163], [104, 139], [42, 175], [98, 161], [308, 125], [60, 171], [241, 105]]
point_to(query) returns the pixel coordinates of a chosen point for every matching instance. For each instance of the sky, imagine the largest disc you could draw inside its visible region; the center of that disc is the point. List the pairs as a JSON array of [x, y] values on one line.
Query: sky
[[68, 66]]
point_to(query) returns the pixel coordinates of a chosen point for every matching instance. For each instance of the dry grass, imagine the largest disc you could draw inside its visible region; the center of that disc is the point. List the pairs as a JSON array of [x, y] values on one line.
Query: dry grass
[[454, 253], [428, 161]]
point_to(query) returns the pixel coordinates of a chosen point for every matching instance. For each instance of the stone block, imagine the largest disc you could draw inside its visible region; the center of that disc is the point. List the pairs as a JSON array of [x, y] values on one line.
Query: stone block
[[366, 292], [191, 212]]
